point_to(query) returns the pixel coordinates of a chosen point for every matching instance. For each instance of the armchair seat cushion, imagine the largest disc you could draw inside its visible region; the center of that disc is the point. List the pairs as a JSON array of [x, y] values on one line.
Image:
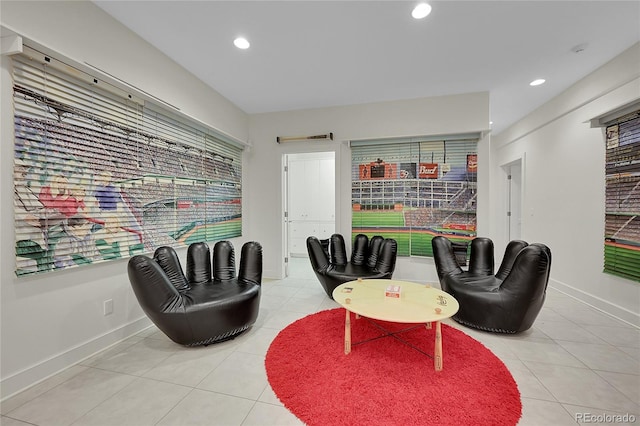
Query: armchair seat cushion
[[219, 295], [472, 282], [351, 272]]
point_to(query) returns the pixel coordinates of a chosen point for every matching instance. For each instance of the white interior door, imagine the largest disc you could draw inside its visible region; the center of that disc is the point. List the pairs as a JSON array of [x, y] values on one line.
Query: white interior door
[[310, 200]]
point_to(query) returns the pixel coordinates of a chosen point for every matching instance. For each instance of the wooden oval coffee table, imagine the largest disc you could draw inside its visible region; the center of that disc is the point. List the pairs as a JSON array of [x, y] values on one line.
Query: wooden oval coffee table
[[416, 304]]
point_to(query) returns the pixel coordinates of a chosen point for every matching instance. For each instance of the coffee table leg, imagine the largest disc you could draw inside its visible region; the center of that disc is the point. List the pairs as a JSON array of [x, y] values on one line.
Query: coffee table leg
[[347, 333], [437, 357], [428, 326]]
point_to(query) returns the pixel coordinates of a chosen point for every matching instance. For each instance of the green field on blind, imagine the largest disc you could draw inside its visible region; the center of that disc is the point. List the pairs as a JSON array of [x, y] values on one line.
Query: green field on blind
[[376, 218], [624, 260], [390, 224], [212, 231]]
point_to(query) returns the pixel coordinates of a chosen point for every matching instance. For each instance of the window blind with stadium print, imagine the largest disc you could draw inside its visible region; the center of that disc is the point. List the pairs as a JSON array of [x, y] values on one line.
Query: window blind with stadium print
[[413, 189], [622, 218], [100, 174]]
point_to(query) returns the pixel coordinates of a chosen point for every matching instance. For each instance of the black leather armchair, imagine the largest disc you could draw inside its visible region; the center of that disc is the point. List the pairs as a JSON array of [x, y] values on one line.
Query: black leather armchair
[[370, 259], [202, 307], [505, 302]]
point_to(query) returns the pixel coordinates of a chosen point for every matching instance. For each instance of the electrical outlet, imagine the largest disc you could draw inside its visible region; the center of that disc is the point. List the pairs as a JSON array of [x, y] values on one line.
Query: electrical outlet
[[108, 307]]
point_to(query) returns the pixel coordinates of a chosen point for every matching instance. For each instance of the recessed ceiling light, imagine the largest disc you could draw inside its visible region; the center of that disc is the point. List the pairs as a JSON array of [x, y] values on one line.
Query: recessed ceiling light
[[537, 82], [241, 43], [422, 10]]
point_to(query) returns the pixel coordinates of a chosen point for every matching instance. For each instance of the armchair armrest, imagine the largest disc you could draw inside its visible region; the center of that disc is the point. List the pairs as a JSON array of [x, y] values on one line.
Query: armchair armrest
[[444, 257], [529, 274], [251, 263], [152, 286], [317, 255], [386, 262], [169, 263], [510, 254]]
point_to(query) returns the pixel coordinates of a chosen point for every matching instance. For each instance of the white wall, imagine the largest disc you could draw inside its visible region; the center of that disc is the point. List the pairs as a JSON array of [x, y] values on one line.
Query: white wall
[[564, 183], [425, 116], [51, 321]]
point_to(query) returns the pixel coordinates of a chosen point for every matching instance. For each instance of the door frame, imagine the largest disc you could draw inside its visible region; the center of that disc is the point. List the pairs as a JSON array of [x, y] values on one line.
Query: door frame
[[286, 159], [513, 179], [285, 221]]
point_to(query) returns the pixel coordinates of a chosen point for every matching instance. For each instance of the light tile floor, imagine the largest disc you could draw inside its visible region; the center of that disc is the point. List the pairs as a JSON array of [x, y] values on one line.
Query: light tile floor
[[575, 361]]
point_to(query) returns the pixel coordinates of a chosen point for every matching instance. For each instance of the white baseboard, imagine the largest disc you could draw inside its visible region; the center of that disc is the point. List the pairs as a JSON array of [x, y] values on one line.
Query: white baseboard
[[632, 318], [35, 374]]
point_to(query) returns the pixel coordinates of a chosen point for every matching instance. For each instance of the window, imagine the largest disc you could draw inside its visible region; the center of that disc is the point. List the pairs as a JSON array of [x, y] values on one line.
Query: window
[[413, 189], [101, 174], [622, 219]]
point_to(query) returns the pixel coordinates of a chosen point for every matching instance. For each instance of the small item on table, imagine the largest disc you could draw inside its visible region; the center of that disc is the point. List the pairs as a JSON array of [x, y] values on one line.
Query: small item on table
[[393, 291]]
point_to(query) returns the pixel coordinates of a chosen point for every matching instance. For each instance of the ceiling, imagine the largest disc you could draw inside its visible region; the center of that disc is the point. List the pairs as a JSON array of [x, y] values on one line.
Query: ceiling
[[309, 54]]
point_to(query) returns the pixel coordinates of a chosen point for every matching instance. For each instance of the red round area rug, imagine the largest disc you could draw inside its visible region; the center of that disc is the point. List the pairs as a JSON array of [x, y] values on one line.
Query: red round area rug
[[384, 381]]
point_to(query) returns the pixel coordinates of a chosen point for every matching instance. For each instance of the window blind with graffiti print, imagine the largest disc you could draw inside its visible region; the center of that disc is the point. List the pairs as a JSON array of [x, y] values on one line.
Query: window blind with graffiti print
[[100, 174]]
